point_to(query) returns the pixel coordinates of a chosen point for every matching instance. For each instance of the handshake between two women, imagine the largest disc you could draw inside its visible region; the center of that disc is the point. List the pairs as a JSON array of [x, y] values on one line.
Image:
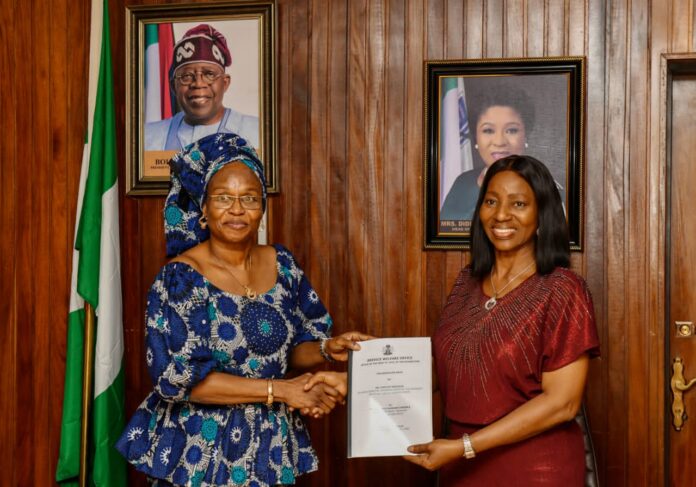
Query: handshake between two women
[[316, 394]]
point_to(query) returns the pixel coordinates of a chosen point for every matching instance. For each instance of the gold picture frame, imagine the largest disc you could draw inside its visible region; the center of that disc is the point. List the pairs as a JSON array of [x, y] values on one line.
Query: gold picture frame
[[154, 118]]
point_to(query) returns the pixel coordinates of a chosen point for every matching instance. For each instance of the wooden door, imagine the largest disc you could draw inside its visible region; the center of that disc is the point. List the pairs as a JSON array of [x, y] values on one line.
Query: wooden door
[[681, 278]]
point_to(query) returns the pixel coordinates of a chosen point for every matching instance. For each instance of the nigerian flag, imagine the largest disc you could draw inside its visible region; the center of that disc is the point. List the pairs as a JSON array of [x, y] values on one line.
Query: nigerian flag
[[96, 279], [455, 143]]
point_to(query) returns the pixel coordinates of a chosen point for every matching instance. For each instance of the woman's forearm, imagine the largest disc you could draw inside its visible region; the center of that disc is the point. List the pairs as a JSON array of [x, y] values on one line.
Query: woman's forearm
[[559, 402], [222, 388], [306, 356]]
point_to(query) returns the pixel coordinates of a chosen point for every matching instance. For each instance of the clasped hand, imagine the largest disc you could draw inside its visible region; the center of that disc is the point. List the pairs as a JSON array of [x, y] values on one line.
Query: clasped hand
[[316, 394]]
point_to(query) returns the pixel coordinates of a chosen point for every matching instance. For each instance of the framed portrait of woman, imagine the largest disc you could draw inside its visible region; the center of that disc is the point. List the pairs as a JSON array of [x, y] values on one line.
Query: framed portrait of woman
[[194, 70], [481, 110]]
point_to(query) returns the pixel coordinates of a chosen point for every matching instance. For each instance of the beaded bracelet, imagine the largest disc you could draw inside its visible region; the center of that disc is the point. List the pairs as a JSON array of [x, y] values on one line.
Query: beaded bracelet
[[322, 350]]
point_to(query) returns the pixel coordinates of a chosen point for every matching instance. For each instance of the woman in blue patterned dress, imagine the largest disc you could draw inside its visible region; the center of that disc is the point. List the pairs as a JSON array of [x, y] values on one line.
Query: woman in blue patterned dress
[[226, 320]]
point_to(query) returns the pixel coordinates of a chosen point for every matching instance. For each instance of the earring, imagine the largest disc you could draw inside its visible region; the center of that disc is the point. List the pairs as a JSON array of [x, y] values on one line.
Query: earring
[[203, 222], [526, 145], [538, 232], [476, 146]]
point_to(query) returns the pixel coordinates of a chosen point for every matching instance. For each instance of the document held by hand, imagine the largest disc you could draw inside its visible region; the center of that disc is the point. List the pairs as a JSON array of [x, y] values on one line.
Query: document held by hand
[[390, 396]]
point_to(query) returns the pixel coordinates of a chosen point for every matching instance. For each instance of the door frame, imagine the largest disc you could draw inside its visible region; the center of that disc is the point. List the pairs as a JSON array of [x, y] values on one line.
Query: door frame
[[658, 252]]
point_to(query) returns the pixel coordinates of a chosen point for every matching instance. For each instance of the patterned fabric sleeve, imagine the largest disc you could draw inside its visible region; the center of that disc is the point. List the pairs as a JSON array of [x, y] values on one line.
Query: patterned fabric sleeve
[[177, 332], [313, 320], [570, 328]]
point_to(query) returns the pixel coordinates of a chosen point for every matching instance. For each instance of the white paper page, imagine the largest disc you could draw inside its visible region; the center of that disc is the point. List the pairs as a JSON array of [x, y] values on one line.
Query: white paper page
[[390, 397]]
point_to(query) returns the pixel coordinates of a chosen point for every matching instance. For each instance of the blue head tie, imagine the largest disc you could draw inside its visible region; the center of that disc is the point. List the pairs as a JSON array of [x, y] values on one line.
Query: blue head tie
[[191, 172]]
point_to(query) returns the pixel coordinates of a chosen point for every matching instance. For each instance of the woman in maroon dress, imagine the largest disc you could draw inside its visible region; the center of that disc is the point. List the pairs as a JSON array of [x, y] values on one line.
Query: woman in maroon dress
[[513, 343]]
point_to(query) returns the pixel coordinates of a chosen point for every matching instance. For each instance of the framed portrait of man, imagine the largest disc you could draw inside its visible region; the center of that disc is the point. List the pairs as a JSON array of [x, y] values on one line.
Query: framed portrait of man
[[194, 70], [479, 111]]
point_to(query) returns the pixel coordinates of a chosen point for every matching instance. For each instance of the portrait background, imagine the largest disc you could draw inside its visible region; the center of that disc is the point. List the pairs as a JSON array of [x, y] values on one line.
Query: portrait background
[[243, 93], [547, 138], [548, 94]]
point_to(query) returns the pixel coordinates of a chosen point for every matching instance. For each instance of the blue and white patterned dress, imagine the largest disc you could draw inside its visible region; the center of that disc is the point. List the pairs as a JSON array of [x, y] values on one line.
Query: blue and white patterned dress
[[194, 328]]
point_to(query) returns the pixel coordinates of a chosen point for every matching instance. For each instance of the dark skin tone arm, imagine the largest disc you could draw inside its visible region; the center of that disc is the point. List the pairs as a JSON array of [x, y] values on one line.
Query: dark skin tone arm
[[222, 388], [559, 402]]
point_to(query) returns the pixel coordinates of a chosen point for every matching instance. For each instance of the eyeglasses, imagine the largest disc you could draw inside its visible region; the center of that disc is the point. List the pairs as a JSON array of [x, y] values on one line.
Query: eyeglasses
[[189, 77], [226, 201]]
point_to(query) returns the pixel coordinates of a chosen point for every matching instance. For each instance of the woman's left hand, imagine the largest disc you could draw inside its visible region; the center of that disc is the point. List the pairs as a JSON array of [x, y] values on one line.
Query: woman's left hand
[[435, 454], [337, 347]]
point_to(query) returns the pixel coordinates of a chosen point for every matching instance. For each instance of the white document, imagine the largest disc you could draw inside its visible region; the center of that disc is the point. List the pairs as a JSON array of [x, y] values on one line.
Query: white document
[[390, 396]]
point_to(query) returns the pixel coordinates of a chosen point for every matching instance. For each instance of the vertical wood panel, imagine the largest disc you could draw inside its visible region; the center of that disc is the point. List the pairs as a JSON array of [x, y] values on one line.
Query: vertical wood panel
[[635, 187], [556, 28], [615, 237], [26, 311], [536, 21], [515, 31], [597, 390], [8, 244]]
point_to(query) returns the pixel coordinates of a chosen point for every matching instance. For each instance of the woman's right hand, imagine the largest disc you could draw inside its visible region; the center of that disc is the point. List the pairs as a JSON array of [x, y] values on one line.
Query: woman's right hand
[[317, 401]]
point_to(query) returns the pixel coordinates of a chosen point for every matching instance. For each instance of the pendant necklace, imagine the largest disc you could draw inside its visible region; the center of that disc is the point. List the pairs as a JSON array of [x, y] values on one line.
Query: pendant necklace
[[490, 304], [250, 293]]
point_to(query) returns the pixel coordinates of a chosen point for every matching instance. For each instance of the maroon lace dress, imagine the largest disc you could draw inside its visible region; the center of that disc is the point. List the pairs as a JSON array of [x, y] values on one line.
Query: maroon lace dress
[[491, 362]]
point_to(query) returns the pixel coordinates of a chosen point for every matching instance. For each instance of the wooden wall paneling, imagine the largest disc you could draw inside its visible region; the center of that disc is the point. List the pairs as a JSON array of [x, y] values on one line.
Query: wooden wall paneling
[[656, 202], [556, 28], [372, 164], [59, 197], [392, 184], [356, 182], [8, 244], [278, 225], [435, 261], [27, 219], [474, 31], [296, 203], [637, 295], [576, 27], [318, 53], [455, 39], [38, 274], [413, 168], [681, 25], [615, 272], [336, 108], [595, 143], [515, 33], [536, 28], [494, 28]]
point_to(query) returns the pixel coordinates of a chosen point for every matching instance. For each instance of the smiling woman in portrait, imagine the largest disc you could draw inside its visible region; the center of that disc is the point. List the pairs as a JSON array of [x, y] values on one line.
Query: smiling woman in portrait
[[502, 121]]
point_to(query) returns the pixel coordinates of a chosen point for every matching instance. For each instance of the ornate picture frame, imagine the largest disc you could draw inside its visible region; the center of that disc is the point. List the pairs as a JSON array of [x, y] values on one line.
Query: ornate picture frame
[[160, 119], [548, 94]]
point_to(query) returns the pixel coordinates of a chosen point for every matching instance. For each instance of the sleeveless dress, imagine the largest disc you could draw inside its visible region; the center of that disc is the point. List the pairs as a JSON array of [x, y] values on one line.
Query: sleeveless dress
[[491, 362], [194, 328]]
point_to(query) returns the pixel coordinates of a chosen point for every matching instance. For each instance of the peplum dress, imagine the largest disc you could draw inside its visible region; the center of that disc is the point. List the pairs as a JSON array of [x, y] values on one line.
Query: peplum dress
[[194, 328], [491, 362]]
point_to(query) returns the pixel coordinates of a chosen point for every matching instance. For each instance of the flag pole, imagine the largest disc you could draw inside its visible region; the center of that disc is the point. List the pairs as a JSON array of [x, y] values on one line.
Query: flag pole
[[86, 391]]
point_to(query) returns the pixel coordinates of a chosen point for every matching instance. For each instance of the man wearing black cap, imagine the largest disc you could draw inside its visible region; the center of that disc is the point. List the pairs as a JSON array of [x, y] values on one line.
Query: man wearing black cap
[[199, 81]]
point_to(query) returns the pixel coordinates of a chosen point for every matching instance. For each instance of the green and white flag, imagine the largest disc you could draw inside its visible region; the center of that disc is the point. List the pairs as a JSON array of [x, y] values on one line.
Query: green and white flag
[[96, 278], [455, 143]]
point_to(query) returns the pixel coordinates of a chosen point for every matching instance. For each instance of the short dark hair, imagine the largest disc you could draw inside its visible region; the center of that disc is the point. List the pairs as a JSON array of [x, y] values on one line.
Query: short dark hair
[[552, 247], [510, 96]]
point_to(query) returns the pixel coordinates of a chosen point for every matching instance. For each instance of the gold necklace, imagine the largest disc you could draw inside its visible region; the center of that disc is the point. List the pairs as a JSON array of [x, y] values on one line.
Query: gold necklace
[[250, 293], [490, 304]]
